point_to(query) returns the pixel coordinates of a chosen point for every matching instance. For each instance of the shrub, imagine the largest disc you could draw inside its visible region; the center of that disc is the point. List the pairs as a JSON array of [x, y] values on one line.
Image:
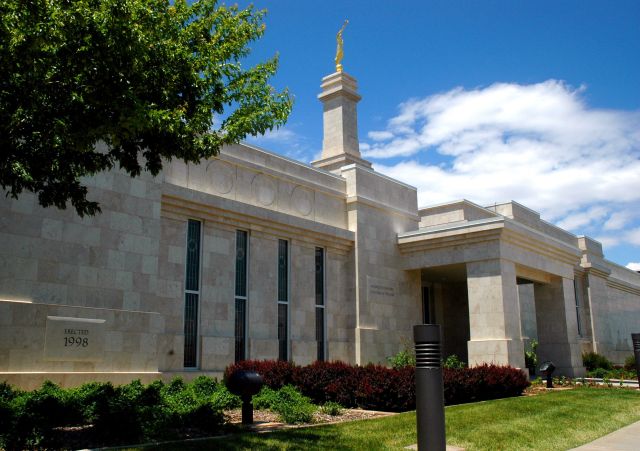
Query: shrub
[[482, 383], [293, 407], [630, 363], [331, 408], [593, 360], [288, 402], [204, 387], [267, 398], [127, 413], [531, 355], [329, 381], [406, 357], [387, 389], [276, 373], [224, 399], [453, 362]]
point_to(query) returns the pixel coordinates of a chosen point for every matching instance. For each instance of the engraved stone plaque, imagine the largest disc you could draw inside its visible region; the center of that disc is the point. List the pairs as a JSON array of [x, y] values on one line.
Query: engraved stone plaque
[[380, 290], [74, 339]]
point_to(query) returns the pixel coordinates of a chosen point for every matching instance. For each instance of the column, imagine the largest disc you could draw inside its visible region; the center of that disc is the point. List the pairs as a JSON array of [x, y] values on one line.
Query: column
[[494, 315], [558, 326]]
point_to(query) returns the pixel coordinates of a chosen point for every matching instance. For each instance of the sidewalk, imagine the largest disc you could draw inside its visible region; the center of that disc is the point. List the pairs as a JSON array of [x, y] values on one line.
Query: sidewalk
[[625, 439]]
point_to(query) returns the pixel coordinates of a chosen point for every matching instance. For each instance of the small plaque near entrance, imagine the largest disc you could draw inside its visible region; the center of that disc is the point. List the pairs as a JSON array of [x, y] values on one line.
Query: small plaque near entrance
[[74, 339], [380, 290]]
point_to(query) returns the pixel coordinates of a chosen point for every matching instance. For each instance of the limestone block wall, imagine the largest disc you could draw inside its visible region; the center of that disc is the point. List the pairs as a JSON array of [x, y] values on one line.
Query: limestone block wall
[[100, 267], [623, 318], [106, 261], [452, 212], [256, 177], [220, 219], [387, 297], [129, 344]]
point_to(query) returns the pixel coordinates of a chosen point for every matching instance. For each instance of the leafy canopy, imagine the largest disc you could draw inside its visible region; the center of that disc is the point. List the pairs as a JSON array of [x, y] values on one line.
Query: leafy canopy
[[144, 77]]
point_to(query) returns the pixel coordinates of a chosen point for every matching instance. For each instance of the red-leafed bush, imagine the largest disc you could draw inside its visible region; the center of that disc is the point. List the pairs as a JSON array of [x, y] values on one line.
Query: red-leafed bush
[[482, 383], [329, 381], [381, 388], [276, 373]]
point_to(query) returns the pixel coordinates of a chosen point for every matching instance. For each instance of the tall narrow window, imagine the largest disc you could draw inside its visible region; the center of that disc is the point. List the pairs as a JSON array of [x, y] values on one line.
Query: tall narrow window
[[427, 316], [241, 294], [577, 293], [320, 311], [192, 294], [283, 300]]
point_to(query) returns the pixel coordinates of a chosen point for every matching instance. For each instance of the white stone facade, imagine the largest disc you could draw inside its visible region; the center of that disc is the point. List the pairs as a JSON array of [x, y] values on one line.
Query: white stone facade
[[494, 277]]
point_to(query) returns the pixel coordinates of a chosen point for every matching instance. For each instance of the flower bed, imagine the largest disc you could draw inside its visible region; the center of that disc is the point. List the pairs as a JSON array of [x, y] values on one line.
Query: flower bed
[[381, 388]]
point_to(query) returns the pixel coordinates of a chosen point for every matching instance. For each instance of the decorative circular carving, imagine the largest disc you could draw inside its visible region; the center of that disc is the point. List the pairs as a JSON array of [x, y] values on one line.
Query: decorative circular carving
[[301, 200], [221, 176], [264, 189]]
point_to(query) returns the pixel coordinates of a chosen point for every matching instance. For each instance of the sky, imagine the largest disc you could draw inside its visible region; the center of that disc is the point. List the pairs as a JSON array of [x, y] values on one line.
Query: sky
[[490, 101]]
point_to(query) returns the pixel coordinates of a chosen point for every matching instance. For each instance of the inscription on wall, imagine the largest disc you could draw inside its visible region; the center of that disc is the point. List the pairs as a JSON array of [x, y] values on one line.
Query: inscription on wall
[[380, 290], [74, 339]]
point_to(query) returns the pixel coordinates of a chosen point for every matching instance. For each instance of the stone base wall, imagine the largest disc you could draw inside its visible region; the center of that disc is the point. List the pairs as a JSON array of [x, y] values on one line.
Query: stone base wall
[[123, 342]]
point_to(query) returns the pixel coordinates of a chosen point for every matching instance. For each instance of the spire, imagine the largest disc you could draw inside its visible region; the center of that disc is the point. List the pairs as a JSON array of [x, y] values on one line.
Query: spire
[[340, 145]]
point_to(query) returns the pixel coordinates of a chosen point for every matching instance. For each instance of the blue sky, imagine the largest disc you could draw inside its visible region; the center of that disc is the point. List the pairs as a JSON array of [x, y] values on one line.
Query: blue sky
[[533, 101]]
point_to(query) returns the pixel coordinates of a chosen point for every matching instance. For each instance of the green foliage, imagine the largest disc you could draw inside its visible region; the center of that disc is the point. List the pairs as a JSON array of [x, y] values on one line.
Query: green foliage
[[616, 373], [122, 414], [453, 362], [89, 85], [267, 399], [406, 357], [331, 408], [630, 363], [224, 399], [531, 355], [593, 360], [288, 402]]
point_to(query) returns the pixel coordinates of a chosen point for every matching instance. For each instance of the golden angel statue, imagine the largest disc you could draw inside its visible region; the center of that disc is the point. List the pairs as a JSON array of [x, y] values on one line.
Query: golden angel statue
[[340, 51]]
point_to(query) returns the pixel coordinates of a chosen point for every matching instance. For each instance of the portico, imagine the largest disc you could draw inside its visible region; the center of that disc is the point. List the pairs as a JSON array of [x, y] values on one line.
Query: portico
[[494, 251]]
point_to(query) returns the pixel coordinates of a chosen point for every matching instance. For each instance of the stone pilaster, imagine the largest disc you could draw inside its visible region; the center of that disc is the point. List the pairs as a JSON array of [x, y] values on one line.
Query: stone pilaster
[[340, 145]]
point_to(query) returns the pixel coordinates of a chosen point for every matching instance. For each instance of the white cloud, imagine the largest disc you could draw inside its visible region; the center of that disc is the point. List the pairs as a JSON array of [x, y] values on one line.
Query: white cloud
[[539, 144], [633, 236], [380, 136], [284, 140], [634, 266], [580, 219], [618, 220], [281, 134]]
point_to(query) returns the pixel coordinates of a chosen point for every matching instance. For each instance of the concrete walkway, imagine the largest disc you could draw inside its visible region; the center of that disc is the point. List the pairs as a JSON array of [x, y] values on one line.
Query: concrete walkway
[[625, 439]]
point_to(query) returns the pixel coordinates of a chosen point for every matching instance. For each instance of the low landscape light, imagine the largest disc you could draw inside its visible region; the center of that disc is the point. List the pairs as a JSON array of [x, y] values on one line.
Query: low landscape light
[[547, 368], [245, 384]]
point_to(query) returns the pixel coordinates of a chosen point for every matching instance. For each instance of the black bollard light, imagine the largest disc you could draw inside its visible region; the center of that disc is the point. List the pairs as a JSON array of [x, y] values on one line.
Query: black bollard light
[[548, 368], [429, 388], [245, 384], [635, 338]]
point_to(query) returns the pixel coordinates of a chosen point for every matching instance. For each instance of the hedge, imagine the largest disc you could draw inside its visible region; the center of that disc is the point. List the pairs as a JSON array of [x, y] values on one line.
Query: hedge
[[381, 388], [99, 414]]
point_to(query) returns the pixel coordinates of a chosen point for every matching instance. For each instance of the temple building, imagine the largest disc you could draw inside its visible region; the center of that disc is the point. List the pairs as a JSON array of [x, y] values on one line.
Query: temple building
[[251, 255]]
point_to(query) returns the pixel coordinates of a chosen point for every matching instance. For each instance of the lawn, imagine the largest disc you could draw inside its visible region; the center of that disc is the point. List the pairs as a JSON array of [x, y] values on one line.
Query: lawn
[[557, 420]]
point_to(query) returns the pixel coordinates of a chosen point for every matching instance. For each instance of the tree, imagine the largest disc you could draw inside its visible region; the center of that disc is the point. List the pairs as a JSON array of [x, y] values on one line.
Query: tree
[[144, 77]]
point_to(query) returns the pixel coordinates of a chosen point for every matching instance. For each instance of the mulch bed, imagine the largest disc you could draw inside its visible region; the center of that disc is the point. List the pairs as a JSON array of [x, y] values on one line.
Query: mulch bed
[[265, 420]]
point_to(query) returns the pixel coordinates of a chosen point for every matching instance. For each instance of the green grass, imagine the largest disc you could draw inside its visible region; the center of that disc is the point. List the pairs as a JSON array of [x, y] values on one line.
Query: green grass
[[551, 421]]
